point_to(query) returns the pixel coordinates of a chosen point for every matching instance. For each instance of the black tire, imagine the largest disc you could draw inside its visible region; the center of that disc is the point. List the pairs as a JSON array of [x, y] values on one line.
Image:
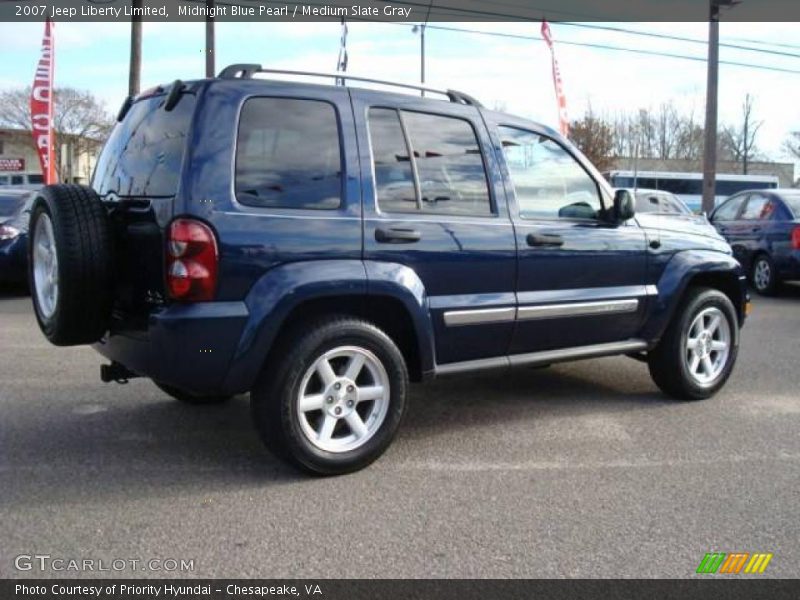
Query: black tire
[[767, 284], [189, 398], [275, 396], [82, 241], [667, 364]]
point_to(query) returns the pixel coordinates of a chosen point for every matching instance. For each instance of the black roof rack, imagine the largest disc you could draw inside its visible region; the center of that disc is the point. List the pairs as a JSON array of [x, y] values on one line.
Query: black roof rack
[[246, 71]]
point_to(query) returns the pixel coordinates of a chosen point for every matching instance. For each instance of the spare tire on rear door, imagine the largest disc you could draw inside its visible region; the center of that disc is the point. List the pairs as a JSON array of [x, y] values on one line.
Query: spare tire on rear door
[[70, 264]]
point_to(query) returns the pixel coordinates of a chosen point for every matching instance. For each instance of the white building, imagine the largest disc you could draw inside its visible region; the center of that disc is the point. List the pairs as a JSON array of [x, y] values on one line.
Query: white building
[[75, 156]]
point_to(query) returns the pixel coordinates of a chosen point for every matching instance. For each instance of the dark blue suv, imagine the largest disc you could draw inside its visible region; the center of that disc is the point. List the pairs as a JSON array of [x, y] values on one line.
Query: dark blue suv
[[321, 246]]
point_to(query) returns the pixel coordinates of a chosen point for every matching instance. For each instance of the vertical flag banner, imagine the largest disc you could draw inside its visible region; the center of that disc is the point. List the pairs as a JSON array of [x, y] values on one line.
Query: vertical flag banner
[[42, 103], [563, 121]]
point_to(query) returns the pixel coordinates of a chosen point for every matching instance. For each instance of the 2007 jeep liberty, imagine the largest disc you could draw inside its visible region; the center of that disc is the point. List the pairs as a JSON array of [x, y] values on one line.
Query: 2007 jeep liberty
[[320, 246]]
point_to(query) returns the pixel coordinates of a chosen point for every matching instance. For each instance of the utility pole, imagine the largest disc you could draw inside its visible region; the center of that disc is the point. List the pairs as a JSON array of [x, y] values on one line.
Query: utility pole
[[421, 28], [135, 69], [422, 56], [710, 147], [210, 50]]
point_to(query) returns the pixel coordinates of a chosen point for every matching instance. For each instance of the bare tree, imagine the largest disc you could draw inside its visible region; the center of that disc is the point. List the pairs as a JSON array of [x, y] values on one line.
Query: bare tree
[[595, 138], [739, 142], [690, 138], [664, 134], [80, 121], [792, 144]]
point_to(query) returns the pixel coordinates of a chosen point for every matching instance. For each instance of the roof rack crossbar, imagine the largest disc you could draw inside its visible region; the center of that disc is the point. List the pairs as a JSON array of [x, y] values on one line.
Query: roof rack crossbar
[[246, 71]]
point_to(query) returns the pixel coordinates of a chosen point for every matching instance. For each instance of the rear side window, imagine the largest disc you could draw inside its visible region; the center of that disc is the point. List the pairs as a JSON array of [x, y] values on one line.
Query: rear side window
[[445, 157], [288, 154], [793, 202], [144, 154]]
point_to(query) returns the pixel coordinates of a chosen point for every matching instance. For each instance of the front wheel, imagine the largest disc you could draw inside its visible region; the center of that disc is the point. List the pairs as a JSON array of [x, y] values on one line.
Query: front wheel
[[696, 355], [334, 398]]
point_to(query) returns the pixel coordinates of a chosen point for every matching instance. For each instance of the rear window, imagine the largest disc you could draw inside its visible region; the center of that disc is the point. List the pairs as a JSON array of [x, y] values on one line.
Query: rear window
[[288, 154], [144, 153], [793, 202]]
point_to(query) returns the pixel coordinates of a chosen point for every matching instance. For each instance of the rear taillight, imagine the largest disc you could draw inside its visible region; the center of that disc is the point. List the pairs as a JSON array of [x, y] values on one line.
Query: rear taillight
[[192, 261], [796, 238]]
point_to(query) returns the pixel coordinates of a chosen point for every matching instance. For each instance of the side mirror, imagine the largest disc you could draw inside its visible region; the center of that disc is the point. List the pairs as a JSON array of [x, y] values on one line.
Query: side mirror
[[623, 206]]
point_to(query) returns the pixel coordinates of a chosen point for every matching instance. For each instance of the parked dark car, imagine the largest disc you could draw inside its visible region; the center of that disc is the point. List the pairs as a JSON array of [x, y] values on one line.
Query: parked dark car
[[14, 214], [319, 246], [763, 228]]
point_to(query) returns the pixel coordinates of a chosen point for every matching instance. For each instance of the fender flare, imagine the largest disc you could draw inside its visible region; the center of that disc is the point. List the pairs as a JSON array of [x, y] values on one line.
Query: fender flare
[[284, 288], [678, 274]]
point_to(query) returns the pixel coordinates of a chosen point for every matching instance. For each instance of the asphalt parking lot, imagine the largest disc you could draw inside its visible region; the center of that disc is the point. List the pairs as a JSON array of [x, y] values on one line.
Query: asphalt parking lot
[[579, 470]]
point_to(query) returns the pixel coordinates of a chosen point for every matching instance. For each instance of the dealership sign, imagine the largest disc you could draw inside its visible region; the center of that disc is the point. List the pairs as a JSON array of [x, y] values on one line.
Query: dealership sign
[[12, 164]]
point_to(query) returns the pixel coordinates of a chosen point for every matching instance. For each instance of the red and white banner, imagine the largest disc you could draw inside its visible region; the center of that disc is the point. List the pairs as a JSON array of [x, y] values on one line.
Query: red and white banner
[[563, 120], [42, 104]]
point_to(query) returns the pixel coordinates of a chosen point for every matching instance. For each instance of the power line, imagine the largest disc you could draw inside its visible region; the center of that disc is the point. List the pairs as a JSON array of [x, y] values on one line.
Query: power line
[[676, 38], [607, 47], [519, 18], [440, 11]]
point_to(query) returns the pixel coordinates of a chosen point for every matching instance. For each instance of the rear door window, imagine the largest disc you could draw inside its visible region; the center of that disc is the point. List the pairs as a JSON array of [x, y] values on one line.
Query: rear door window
[[758, 208], [288, 154], [394, 178], [427, 163]]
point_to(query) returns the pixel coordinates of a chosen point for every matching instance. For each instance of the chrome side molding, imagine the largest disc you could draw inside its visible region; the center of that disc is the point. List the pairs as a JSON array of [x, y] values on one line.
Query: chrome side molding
[[577, 309], [479, 316], [544, 357]]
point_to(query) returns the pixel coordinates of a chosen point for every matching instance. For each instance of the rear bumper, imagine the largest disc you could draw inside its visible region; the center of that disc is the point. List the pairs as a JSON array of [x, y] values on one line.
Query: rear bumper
[[186, 346], [788, 264]]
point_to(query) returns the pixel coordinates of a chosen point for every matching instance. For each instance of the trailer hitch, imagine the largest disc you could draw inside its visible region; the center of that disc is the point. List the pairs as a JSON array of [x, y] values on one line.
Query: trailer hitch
[[116, 372]]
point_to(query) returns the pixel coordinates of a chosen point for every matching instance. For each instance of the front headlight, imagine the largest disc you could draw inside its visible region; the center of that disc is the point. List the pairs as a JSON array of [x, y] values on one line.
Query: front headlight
[[7, 232]]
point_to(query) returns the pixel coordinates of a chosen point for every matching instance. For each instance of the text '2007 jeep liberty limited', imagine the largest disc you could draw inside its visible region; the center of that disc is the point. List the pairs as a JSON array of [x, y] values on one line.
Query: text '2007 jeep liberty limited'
[[319, 246]]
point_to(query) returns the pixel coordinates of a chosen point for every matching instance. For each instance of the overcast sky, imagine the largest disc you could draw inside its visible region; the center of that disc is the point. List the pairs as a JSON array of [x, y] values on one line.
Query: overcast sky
[[510, 72]]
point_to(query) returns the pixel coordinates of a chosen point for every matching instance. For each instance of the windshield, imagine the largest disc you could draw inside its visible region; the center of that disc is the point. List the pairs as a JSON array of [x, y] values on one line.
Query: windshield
[[144, 153], [659, 202], [9, 205]]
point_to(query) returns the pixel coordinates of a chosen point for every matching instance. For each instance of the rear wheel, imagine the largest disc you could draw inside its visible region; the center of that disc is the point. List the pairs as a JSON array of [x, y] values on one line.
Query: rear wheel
[[763, 275], [696, 355], [334, 398], [70, 264], [189, 398]]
